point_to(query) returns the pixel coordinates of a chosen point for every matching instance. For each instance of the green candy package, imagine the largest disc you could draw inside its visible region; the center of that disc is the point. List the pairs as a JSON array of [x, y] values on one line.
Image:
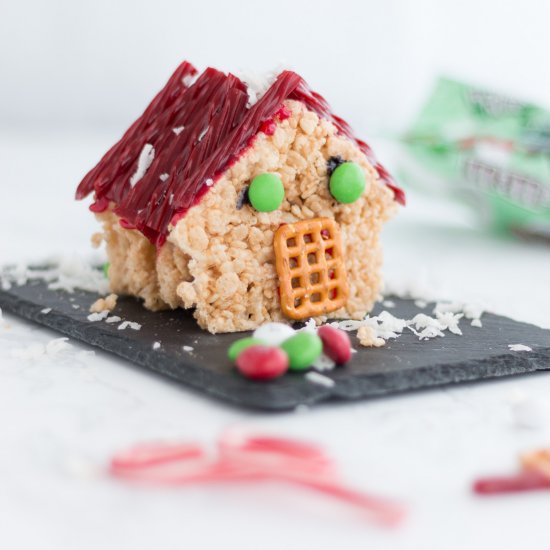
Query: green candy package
[[486, 149]]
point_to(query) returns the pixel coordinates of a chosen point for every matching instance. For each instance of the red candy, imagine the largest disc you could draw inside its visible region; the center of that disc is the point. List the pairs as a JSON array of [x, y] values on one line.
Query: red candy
[[336, 344], [262, 362]]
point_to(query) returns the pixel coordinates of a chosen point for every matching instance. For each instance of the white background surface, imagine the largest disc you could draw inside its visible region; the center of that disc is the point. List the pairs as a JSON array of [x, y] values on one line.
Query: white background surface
[[73, 76]]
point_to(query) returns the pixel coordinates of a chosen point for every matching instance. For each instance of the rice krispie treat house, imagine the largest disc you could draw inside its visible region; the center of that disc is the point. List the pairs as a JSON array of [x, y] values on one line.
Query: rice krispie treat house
[[245, 206]]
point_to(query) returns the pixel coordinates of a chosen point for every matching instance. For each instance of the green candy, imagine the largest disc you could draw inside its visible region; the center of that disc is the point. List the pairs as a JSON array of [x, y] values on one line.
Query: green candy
[[347, 182], [266, 192], [302, 350], [240, 345], [105, 269]]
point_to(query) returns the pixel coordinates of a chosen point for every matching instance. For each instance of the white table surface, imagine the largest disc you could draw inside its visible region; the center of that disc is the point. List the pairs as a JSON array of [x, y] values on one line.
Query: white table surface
[[62, 417]]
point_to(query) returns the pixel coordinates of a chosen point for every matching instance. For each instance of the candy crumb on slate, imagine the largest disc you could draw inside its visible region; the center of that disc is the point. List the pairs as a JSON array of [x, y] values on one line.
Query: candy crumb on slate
[[188, 348], [156, 345], [104, 304], [367, 337], [46, 310]]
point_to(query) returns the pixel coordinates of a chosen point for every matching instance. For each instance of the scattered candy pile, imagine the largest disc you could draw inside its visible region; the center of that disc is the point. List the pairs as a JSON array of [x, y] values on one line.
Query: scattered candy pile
[[253, 458], [275, 348], [534, 474]]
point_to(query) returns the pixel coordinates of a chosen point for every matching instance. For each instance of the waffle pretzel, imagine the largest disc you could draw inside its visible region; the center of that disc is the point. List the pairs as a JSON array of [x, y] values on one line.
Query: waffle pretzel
[[310, 266]]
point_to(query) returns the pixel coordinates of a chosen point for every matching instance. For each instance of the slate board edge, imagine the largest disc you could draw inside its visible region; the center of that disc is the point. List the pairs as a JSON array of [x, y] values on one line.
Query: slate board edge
[[360, 387]]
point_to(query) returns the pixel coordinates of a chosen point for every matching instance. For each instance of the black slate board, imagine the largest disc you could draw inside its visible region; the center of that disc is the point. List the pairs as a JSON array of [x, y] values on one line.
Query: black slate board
[[403, 364]]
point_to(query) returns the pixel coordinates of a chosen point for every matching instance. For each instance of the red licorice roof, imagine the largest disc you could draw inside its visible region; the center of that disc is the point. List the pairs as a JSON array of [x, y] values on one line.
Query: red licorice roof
[[217, 128]]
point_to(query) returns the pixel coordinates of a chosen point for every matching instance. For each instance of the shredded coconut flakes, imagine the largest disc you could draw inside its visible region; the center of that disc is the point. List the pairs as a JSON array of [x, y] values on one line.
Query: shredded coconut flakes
[[97, 316], [66, 273], [375, 331], [188, 80], [519, 347], [257, 84], [320, 379], [129, 324], [323, 362], [145, 160], [113, 319], [202, 134]]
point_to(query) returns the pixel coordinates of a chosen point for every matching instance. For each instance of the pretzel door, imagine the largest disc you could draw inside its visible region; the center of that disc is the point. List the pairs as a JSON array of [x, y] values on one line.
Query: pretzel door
[[310, 266]]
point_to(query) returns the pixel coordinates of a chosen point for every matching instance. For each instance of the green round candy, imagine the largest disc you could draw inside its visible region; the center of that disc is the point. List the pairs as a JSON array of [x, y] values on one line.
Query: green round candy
[[240, 345], [266, 192], [302, 350], [347, 182], [106, 269]]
